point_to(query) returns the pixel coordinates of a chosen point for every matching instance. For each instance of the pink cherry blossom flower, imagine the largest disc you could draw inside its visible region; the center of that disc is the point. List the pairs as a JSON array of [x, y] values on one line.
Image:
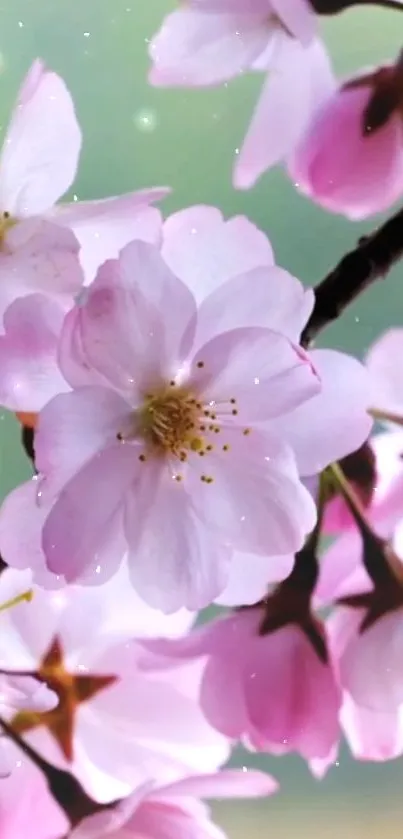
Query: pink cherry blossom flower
[[386, 375], [107, 728], [175, 432], [320, 429], [36, 174], [270, 690], [350, 159], [157, 811], [26, 806], [368, 628], [372, 734], [207, 43]]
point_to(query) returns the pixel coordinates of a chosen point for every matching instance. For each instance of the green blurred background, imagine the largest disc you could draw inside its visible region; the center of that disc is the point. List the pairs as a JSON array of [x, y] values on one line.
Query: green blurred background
[[136, 136]]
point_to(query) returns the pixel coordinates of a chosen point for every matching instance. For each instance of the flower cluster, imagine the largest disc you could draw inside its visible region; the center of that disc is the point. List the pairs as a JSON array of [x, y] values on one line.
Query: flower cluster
[[190, 448]]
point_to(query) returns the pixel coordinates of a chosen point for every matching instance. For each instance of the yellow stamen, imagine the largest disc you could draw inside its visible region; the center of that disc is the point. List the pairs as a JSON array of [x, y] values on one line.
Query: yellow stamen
[[26, 596]]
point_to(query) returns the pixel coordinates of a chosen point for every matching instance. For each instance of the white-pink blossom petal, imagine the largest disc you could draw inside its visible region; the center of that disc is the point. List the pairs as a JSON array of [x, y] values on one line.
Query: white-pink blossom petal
[[74, 532], [174, 560], [42, 146], [333, 423], [29, 373], [256, 502], [261, 370], [204, 250], [104, 227], [193, 48]]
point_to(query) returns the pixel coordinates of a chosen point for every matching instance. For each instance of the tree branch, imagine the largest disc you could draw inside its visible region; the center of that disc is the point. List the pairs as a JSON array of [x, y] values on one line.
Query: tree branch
[[331, 7], [370, 261]]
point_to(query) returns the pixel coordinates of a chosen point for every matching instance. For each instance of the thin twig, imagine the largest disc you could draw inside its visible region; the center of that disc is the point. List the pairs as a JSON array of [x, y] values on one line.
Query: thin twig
[[374, 256]]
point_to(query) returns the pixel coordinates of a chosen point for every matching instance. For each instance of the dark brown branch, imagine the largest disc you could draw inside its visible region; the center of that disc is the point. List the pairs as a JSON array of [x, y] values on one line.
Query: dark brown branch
[[331, 7], [374, 256]]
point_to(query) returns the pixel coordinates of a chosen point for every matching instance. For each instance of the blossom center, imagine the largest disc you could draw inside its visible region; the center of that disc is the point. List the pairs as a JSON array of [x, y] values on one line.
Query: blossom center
[[174, 421], [169, 421]]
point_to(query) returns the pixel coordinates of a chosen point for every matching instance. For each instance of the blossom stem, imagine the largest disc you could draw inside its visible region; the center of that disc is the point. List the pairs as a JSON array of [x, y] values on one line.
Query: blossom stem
[[374, 548], [386, 416], [64, 788], [371, 260]]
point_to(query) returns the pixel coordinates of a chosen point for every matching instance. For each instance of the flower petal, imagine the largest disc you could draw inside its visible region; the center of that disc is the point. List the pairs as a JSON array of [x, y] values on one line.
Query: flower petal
[[78, 524], [229, 783], [262, 370], [104, 227], [42, 146], [370, 667], [372, 735], [386, 375], [268, 297], [250, 576], [29, 373], [204, 250], [334, 422], [21, 546], [138, 320], [174, 561], [279, 118], [43, 257], [71, 429], [300, 80], [297, 16], [71, 355], [193, 48], [256, 502]]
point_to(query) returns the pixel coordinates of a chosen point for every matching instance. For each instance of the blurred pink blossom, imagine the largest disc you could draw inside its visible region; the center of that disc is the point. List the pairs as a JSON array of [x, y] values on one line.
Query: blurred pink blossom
[[208, 42], [374, 734], [271, 690], [366, 630], [158, 812], [350, 159], [107, 728]]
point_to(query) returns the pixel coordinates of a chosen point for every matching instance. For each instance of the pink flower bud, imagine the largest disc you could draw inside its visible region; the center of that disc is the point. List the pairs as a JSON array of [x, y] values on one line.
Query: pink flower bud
[[350, 160]]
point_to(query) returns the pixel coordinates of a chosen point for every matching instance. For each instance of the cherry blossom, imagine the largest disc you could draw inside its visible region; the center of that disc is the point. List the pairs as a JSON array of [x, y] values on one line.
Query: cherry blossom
[[174, 810], [271, 690], [107, 727], [350, 159], [365, 576], [372, 734], [35, 175], [193, 476], [207, 43]]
